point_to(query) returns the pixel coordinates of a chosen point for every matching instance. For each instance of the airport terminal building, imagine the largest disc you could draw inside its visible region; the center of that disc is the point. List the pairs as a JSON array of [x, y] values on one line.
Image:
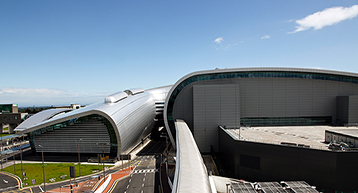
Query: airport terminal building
[[260, 97], [210, 102]]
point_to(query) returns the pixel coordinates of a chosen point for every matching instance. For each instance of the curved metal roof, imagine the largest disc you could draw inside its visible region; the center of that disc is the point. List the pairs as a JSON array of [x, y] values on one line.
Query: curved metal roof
[[40, 117], [235, 70], [122, 114]]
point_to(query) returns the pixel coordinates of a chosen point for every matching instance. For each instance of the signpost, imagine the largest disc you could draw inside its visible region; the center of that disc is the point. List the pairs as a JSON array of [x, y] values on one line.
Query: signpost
[[72, 175], [33, 181]]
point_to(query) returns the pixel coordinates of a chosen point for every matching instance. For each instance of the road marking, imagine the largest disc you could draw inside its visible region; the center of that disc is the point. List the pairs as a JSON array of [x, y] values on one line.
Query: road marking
[[142, 185], [143, 179], [127, 186], [130, 180]]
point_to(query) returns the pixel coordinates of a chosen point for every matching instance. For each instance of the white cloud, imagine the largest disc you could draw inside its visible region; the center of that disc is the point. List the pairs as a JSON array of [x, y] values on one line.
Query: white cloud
[[265, 37], [45, 97], [326, 17], [218, 40], [30, 91]]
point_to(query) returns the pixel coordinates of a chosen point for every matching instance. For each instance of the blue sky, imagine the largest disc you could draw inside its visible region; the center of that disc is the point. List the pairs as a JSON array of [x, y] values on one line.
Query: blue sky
[[63, 52]]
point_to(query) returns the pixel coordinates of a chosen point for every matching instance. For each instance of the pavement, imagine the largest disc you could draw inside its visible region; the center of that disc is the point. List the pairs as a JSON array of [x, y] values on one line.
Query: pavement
[[8, 182], [91, 182]]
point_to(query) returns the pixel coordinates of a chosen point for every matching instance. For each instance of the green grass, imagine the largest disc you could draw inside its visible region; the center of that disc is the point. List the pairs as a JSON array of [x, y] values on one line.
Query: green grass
[[34, 171], [5, 134]]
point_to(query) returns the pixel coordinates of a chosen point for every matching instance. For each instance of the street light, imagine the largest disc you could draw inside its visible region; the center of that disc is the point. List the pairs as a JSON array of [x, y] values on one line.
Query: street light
[[104, 171], [13, 155], [22, 170], [43, 166], [79, 159], [1, 149]]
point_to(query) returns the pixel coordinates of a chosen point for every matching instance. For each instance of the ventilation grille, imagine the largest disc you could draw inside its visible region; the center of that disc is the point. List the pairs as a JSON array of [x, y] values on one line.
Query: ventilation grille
[[65, 140]]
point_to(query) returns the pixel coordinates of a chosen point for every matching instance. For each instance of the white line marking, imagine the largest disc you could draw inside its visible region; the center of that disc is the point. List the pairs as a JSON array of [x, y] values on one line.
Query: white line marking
[[143, 179], [142, 185]]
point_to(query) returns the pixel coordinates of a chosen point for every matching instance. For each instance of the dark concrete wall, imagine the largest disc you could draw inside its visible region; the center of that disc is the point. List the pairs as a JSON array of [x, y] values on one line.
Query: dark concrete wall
[[325, 169], [342, 109]]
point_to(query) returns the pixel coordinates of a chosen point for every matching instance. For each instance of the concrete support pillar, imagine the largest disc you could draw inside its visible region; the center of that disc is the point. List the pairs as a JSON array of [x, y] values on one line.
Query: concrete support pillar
[[11, 128]]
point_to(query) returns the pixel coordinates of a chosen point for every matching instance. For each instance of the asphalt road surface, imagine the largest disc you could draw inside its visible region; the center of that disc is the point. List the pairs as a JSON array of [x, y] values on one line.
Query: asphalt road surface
[[7, 182], [145, 177], [142, 178]]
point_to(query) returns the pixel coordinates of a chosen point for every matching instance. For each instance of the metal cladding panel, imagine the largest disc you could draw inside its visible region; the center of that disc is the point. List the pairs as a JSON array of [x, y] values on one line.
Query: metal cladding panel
[[353, 110], [159, 94], [318, 97], [66, 140], [278, 98], [345, 89], [237, 105], [305, 97], [251, 90], [131, 118], [115, 97], [332, 91], [214, 105], [265, 97], [134, 120], [242, 95], [229, 102], [39, 118], [183, 106], [199, 112], [292, 97], [245, 77]]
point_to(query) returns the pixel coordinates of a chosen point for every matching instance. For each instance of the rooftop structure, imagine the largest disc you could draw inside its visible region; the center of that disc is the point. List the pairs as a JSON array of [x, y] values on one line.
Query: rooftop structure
[[289, 107]]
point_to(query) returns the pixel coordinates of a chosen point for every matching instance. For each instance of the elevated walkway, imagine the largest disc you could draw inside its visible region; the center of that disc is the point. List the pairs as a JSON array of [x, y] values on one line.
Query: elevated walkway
[[190, 174]]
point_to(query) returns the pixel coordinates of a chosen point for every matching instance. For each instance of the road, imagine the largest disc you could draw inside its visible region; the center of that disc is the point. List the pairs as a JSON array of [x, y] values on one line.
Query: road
[[145, 177], [142, 178], [7, 182]]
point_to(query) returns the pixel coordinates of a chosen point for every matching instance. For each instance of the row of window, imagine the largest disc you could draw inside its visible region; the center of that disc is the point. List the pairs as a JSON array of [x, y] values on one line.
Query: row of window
[[112, 135], [235, 75], [279, 121]]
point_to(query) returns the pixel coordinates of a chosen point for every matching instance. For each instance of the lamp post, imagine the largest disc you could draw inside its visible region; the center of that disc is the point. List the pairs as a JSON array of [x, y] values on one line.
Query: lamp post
[[79, 158], [43, 166], [104, 171], [1, 148], [13, 155], [22, 170]]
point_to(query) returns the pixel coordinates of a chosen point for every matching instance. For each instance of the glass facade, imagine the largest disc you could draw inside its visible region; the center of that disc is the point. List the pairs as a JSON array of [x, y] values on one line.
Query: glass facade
[[252, 74], [281, 121], [112, 134]]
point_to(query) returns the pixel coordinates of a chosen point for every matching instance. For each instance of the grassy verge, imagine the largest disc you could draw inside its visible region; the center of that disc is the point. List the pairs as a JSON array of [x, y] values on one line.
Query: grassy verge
[[52, 171], [5, 134]]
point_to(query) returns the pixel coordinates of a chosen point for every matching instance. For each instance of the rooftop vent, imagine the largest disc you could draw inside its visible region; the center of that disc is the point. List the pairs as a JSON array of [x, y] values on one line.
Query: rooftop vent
[[113, 98], [134, 91]]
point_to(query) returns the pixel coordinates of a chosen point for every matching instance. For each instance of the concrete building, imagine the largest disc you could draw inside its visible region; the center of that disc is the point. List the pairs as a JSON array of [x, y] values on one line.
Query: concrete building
[[9, 116], [210, 102], [115, 125], [262, 97], [259, 97]]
